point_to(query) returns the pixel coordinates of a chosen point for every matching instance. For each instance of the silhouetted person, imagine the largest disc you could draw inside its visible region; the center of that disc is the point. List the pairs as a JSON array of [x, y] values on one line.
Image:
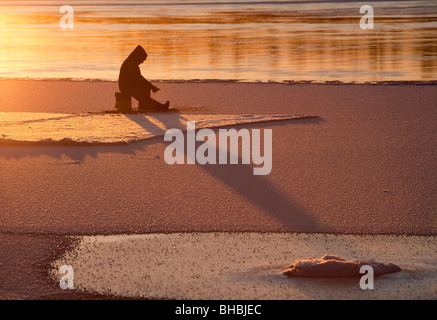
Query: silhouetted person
[[131, 82]]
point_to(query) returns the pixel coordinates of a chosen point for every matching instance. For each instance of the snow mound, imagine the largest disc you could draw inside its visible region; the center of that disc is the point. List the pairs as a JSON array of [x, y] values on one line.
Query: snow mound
[[334, 266]]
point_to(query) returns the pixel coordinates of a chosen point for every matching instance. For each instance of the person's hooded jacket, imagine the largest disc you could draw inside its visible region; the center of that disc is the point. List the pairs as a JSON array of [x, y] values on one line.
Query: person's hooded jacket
[[130, 79]]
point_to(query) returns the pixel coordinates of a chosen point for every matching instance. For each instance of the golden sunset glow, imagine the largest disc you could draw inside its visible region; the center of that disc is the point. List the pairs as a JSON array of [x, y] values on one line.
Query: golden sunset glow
[[315, 43], [215, 152]]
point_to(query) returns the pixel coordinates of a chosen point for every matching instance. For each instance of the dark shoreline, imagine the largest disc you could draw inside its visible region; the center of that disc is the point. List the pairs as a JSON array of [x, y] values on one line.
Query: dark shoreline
[[288, 82]]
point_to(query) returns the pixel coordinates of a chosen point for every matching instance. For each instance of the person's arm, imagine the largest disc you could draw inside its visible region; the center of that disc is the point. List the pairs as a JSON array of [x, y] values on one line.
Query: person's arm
[[149, 85]]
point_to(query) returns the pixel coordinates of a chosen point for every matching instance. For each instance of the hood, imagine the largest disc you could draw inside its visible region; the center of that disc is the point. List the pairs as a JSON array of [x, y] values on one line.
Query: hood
[[138, 55]]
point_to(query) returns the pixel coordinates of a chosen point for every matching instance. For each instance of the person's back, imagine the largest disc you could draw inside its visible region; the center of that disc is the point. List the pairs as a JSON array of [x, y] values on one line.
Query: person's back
[[130, 79]]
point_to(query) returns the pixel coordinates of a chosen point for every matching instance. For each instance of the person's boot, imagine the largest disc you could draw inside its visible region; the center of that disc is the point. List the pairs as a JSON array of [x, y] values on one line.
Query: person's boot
[[166, 106], [152, 106], [157, 106]]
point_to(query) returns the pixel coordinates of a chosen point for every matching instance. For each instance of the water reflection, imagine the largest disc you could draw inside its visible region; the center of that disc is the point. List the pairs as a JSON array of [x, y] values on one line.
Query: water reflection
[[245, 41]]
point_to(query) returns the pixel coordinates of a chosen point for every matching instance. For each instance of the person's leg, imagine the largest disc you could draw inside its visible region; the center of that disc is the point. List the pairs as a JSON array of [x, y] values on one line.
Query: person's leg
[[146, 103], [143, 98]]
